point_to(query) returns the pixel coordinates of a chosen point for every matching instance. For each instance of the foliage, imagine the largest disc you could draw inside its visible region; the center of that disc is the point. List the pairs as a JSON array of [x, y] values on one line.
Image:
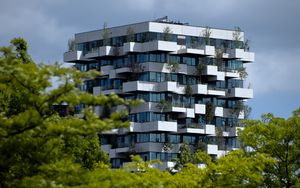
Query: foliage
[[200, 68], [206, 34], [172, 65], [209, 112], [236, 35], [188, 90], [36, 144], [219, 56], [130, 34], [71, 44], [164, 105], [106, 35], [167, 34], [242, 72], [41, 149], [185, 156], [280, 139]]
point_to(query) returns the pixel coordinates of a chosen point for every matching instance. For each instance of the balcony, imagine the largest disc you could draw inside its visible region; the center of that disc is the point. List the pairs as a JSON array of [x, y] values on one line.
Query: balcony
[[200, 89], [200, 109], [191, 51], [210, 129], [132, 47], [159, 45], [243, 93], [192, 128], [105, 70], [242, 54], [154, 126], [209, 50], [139, 86], [72, 56]]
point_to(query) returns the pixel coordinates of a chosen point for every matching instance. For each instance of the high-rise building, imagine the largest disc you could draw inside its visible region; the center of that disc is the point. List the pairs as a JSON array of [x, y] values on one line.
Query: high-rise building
[[191, 79]]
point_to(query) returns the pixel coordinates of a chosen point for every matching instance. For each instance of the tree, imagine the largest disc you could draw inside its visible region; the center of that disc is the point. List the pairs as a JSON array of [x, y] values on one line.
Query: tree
[[219, 61], [188, 90], [130, 35], [106, 35], [172, 65], [167, 34], [242, 72], [278, 138], [39, 147], [71, 44], [236, 35], [206, 34], [185, 156]]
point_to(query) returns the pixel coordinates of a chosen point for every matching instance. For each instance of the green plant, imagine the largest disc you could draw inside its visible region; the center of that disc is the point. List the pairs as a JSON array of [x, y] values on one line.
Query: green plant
[[71, 44], [106, 35], [188, 90], [237, 109], [200, 68], [219, 60], [210, 112], [206, 34], [167, 146], [167, 34], [130, 34], [237, 37], [172, 65], [164, 105], [242, 72]]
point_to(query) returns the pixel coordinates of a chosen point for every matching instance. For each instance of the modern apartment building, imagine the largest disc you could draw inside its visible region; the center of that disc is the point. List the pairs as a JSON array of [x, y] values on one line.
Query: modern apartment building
[[191, 80]]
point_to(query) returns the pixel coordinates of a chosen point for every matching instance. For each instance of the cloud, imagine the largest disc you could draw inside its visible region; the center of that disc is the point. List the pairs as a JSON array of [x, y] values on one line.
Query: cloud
[[275, 71]]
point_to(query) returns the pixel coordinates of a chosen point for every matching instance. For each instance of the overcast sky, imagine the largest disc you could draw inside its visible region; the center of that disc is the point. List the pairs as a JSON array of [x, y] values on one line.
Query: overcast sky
[[272, 26]]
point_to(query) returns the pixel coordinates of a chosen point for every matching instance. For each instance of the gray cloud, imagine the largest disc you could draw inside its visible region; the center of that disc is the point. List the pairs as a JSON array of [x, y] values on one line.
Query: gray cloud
[[270, 25]]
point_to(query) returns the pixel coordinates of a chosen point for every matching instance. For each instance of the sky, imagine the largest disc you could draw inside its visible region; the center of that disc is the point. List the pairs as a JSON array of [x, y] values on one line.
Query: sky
[[272, 26]]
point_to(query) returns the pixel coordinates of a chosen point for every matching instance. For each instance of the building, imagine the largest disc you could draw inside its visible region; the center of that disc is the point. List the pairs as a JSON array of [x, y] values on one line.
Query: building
[[190, 77]]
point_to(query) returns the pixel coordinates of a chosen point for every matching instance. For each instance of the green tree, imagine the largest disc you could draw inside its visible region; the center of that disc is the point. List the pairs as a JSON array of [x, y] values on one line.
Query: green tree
[[279, 138], [206, 34], [106, 35], [185, 156], [167, 34], [37, 146], [130, 34]]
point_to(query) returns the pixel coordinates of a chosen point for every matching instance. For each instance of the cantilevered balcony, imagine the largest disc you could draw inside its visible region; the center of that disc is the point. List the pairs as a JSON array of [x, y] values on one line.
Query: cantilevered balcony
[[200, 89], [209, 50], [243, 93], [242, 54], [159, 45], [72, 56], [200, 109], [167, 126]]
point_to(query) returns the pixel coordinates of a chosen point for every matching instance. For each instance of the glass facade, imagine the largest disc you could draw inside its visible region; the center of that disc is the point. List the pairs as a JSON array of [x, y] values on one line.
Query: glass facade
[[188, 121]]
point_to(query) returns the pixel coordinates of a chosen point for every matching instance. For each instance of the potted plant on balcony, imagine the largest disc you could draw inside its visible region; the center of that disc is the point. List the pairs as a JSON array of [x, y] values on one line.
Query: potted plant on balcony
[[242, 72], [209, 112], [167, 147], [172, 65], [167, 34], [200, 68], [164, 105], [130, 34], [206, 34], [188, 90], [219, 60], [236, 35], [106, 35], [135, 69], [71, 44]]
